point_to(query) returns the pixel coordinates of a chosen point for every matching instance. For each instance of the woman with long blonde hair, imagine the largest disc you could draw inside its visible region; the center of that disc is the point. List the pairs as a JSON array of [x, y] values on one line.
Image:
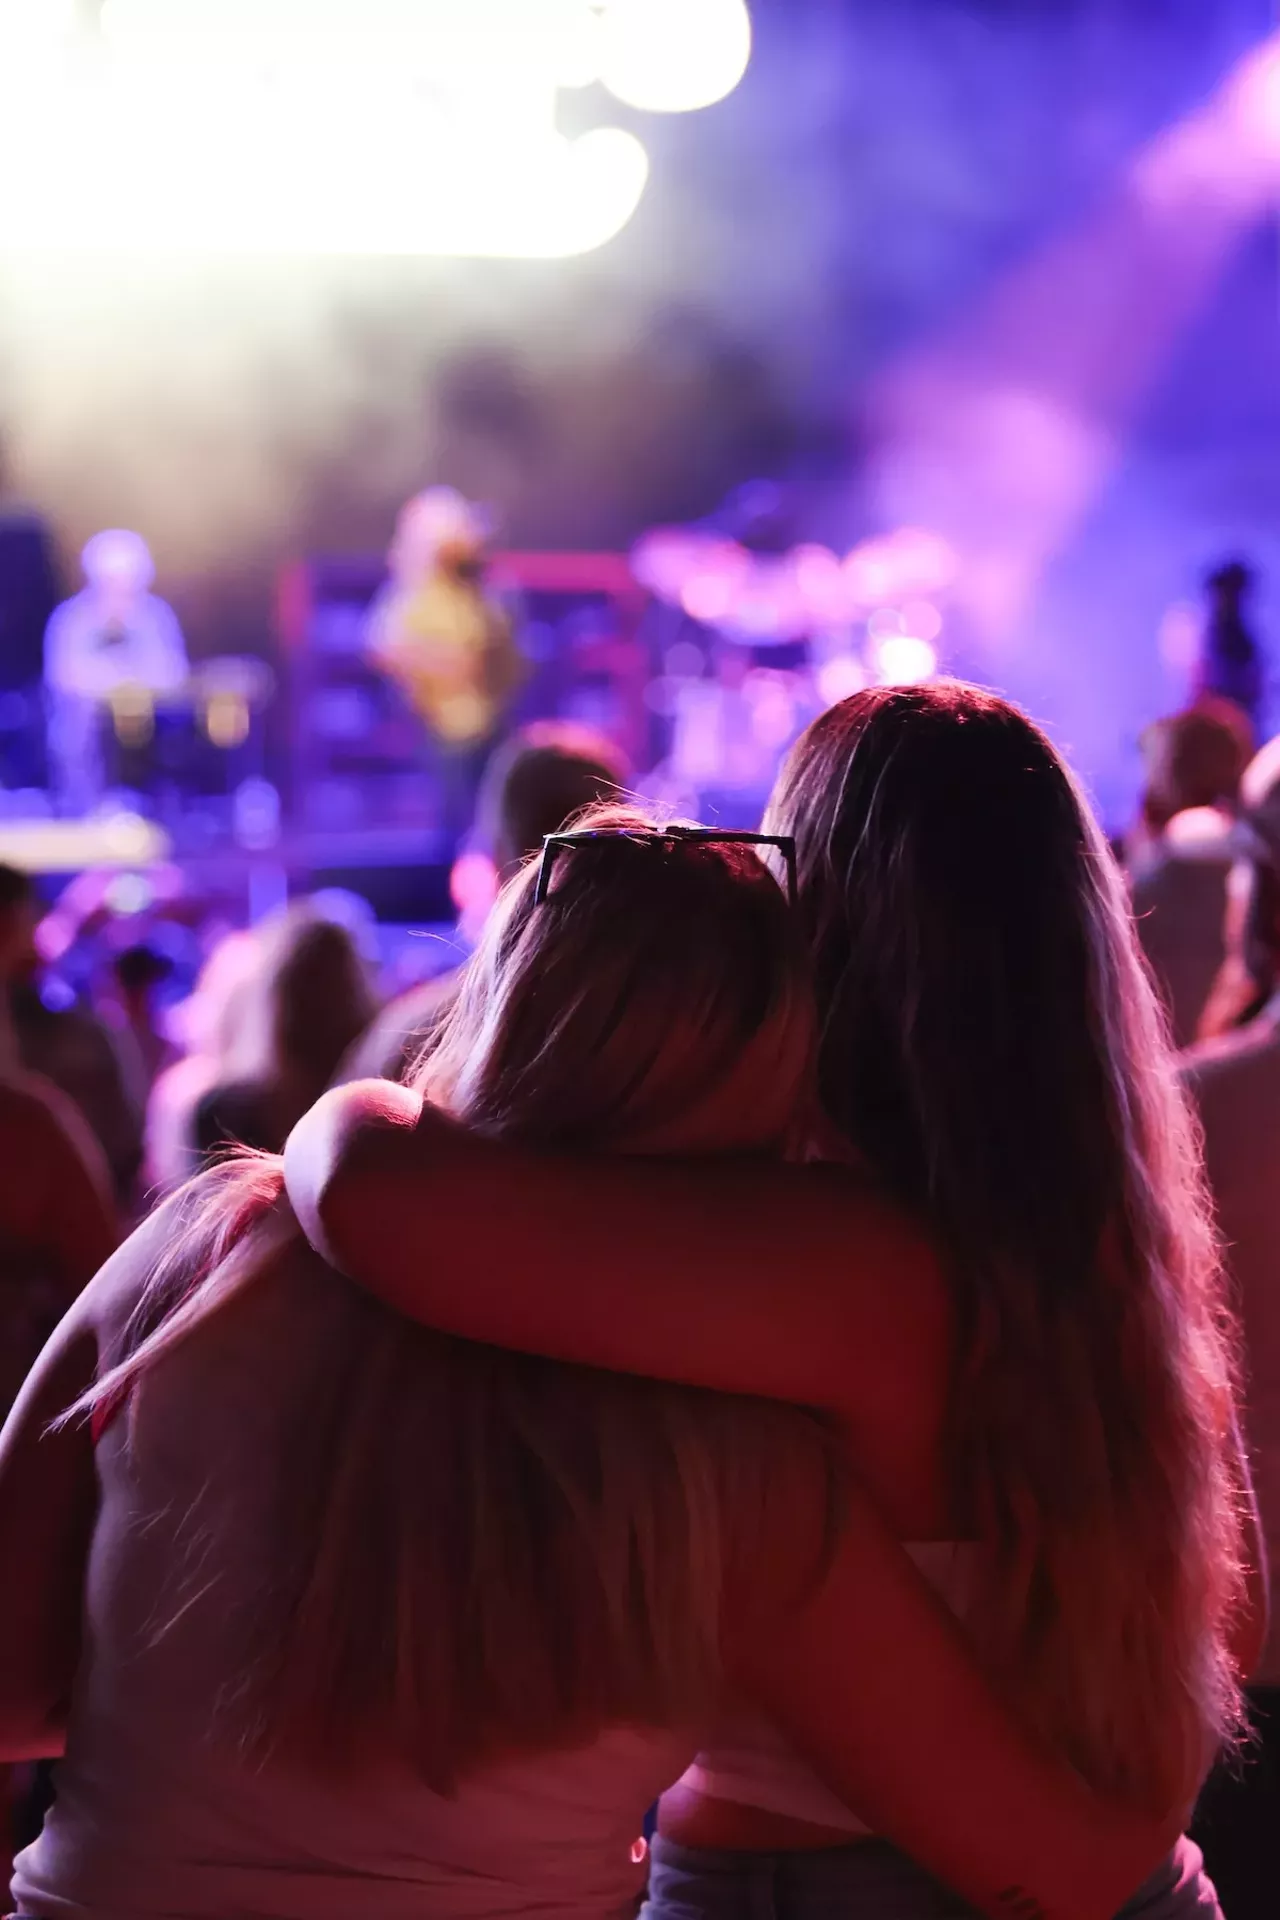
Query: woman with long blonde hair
[[378, 1622], [1054, 1388]]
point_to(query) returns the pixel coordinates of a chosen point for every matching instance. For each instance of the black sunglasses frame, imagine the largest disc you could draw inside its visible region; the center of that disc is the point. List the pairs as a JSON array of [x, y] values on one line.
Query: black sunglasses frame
[[555, 843]]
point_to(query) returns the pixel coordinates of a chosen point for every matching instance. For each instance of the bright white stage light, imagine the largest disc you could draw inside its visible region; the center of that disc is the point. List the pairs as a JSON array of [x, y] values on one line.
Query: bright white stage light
[[673, 56], [26, 24], [904, 659], [343, 126]]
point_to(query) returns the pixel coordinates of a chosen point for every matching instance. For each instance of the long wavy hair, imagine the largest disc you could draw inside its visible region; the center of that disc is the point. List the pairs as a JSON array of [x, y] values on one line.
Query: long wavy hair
[[991, 1047], [471, 1551]]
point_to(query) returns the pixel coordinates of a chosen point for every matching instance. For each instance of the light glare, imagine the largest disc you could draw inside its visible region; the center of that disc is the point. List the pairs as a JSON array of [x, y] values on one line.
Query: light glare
[[673, 56], [447, 112], [904, 659]]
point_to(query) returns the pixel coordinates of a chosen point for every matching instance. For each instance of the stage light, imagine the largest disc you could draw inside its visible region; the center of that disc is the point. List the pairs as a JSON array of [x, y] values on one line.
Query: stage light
[[923, 618], [1254, 103], [868, 573], [820, 582], [922, 562], [32, 24], [709, 596], [673, 56], [904, 659], [883, 622], [447, 111], [772, 707], [839, 677]]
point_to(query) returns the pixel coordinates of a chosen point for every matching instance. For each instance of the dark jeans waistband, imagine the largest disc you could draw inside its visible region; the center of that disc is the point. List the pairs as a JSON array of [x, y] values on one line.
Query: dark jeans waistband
[[869, 1879]]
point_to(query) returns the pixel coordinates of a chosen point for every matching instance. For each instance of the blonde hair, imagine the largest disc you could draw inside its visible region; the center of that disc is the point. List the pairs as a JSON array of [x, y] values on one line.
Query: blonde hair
[[992, 1046], [307, 1000], [482, 1552]]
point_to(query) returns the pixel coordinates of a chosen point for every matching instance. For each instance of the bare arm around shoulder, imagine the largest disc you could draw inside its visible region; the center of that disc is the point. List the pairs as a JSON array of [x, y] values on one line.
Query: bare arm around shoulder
[[48, 1503], [872, 1680], [792, 1283]]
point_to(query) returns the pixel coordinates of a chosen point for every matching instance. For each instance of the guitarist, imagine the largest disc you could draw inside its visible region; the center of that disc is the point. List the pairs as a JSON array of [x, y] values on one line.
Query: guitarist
[[447, 643]]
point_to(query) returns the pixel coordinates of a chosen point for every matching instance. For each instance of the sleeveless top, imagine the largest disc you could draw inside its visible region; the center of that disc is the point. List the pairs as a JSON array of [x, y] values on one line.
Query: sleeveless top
[[153, 1817]]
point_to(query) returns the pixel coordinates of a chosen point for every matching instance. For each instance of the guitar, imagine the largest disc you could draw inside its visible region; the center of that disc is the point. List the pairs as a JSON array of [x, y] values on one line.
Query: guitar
[[452, 651]]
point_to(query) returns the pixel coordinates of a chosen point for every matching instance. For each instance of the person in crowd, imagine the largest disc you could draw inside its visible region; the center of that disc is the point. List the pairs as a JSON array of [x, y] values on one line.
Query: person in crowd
[[1053, 1393], [57, 1227], [445, 638], [58, 1224], [1246, 979], [64, 1043], [132, 1004], [1232, 665], [535, 783], [207, 1027], [380, 1623], [1180, 855], [1235, 1079], [306, 1002], [111, 653]]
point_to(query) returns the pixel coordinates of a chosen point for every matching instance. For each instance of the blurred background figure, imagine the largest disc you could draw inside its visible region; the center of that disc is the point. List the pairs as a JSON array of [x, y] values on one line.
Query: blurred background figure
[[1181, 852], [131, 1006], [28, 595], [1235, 1078], [1232, 665], [1247, 976], [302, 1007], [205, 1028], [110, 654], [533, 786], [447, 641], [58, 1222], [45, 1030]]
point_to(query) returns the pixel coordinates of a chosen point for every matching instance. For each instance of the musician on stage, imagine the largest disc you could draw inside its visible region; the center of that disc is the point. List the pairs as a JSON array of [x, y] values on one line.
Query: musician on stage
[[447, 641], [112, 653]]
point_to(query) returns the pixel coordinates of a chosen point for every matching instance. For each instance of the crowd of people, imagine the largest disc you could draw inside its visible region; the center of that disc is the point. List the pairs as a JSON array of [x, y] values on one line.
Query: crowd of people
[[756, 1391]]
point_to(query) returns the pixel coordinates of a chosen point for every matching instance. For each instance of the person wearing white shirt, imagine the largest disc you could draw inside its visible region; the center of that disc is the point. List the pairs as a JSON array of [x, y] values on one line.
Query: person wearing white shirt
[[114, 647]]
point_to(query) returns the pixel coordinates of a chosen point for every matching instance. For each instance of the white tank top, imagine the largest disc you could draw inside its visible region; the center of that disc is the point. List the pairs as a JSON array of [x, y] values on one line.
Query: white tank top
[[749, 1763], [152, 1818]]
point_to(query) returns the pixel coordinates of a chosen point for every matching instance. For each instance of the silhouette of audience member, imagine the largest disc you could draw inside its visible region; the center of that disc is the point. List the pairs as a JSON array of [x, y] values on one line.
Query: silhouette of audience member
[[1235, 1079], [302, 1009], [1231, 665], [68, 1045], [1180, 856], [535, 783], [130, 1009]]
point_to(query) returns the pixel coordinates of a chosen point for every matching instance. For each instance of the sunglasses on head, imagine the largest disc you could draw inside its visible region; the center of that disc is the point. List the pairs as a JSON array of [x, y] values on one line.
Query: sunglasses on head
[[556, 843]]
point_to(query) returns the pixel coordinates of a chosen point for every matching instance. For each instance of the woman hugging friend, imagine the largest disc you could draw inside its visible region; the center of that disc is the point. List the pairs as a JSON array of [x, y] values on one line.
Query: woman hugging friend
[[1001, 1286]]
